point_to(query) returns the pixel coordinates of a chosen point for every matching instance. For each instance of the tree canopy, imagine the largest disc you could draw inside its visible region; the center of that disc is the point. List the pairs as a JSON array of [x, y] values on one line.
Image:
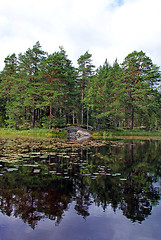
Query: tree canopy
[[38, 89]]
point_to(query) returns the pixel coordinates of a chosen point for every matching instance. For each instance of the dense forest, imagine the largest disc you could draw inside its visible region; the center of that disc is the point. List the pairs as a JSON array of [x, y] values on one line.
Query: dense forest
[[44, 90]]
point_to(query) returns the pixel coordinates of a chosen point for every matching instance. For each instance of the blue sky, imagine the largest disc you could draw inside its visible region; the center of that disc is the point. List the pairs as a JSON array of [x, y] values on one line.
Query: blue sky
[[107, 28], [116, 3]]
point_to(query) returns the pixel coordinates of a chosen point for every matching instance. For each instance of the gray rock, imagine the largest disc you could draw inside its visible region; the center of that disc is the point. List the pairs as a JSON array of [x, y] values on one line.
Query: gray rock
[[77, 133], [82, 133]]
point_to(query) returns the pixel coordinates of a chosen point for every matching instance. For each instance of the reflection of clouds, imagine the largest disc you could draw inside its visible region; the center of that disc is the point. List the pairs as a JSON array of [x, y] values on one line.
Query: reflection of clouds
[[112, 225], [12, 227], [97, 211]]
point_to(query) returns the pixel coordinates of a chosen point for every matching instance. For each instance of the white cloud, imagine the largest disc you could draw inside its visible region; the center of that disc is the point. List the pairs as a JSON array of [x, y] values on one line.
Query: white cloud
[[107, 28]]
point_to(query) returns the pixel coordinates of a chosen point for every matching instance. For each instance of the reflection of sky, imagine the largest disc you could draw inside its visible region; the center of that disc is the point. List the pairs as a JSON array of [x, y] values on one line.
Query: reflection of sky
[[99, 225], [157, 185]]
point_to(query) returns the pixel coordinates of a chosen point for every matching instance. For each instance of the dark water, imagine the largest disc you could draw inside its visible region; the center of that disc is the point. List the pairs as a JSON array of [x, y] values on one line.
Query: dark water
[[111, 192]]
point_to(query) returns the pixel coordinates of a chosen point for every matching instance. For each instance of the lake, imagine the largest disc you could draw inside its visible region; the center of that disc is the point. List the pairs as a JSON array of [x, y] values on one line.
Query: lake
[[68, 192]]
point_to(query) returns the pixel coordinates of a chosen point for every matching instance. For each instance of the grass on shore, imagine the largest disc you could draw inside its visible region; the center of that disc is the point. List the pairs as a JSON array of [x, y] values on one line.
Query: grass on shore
[[46, 133], [36, 133], [127, 133]]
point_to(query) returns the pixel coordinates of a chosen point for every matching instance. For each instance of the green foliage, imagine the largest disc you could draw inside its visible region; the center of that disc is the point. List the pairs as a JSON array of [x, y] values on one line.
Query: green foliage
[[45, 90], [138, 81], [85, 73], [126, 95]]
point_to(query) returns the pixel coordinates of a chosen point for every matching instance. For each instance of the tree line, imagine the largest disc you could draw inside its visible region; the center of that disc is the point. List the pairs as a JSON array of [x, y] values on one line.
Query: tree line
[[38, 89]]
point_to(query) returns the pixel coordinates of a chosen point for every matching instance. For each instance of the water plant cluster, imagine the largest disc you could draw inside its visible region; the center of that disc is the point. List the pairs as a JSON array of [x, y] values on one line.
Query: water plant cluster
[[44, 178]]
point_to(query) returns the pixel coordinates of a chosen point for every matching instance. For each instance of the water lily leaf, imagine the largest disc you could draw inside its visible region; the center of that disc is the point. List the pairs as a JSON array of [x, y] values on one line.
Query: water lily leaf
[[30, 165], [35, 153], [44, 156], [25, 155], [37, 171], [12, 169], [73, 154], [53, 172]]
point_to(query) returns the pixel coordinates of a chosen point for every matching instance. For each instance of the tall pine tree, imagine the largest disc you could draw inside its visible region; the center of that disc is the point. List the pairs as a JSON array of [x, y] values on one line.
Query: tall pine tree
[[137, 84], [85, 72]]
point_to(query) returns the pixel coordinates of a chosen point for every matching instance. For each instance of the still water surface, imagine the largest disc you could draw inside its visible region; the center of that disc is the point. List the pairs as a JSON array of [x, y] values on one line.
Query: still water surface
[[110, 192]]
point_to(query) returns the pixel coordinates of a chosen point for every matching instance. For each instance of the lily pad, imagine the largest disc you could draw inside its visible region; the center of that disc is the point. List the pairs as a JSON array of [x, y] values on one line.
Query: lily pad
[[12, 169], [53, 172], [30, 165], [37, 171], [117, 174], [25, 155], [66, 156], [96, 173]]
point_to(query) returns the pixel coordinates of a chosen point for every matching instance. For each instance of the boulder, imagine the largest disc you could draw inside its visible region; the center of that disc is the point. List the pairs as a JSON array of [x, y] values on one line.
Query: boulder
[[81, 133], [77, 133]]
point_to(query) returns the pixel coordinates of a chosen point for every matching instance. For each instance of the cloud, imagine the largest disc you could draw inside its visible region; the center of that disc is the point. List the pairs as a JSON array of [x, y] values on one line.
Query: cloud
[[107, 28], [135, 26]]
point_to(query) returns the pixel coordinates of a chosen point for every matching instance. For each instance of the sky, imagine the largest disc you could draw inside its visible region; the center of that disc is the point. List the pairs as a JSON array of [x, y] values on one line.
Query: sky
[[108, 29]]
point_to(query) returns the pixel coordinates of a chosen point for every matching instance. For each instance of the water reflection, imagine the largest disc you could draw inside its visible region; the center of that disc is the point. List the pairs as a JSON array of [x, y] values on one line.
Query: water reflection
[[123, 175]]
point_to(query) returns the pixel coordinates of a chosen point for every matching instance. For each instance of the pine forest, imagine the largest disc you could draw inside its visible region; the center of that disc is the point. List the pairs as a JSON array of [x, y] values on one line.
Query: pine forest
[[41, 90]]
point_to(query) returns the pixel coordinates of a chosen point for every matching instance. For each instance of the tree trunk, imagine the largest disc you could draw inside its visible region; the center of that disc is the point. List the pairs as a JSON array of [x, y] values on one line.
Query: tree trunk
[[51, 103], [83, 86], [82, 114], [50, 123], [33, 118], [87, 117], [132, 118], [73, 117], [51, 109]]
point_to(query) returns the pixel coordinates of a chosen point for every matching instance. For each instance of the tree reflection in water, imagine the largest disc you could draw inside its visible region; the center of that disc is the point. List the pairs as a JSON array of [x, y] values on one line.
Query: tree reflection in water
[[121, 174]]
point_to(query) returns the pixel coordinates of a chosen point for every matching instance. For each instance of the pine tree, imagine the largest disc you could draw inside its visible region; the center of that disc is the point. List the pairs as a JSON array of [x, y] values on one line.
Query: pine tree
[[139, 78], [29, 67], [85, 72], [98, 95], [57, 76], [8, 83]]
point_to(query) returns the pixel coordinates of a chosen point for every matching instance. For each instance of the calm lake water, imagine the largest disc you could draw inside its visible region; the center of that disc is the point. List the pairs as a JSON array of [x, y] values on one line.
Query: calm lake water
[[110, 192]]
